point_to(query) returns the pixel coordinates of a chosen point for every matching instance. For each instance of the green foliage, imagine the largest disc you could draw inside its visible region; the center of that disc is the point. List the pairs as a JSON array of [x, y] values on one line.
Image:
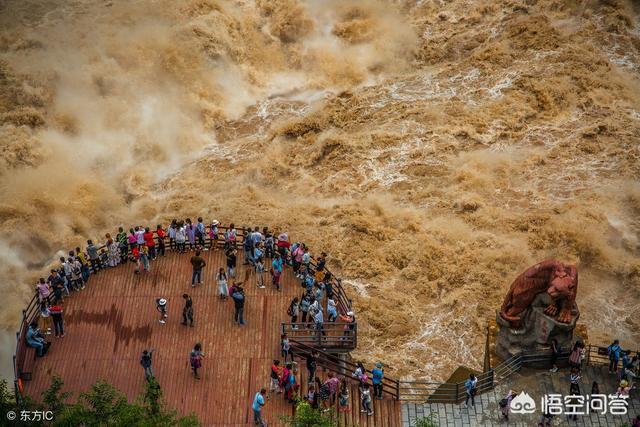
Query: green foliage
[[306, 416], [428, 421], [53, 398], [104, 405]]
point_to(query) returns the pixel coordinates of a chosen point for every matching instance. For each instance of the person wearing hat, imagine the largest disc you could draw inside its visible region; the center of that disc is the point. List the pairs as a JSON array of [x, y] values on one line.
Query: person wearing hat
[[376, 379], [161, 306], [213, 234]]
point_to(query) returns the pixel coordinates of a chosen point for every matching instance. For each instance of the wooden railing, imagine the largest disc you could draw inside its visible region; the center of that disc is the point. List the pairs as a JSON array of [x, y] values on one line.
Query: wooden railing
[[337, 337], [390, 386], [32, 311]]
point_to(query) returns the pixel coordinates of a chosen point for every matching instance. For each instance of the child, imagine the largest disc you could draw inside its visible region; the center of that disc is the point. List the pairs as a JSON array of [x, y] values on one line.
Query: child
[[223, 290], [135, 257], [195, 359], [312, 396], [365, 399], [161, 306], [286, 347], [343, 399]]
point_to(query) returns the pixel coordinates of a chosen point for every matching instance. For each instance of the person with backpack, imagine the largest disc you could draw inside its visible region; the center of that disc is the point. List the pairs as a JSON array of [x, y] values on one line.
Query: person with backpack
[[269, 243], [505, 404], [76, 273], [247, 246], [187, 311], [377, 374], [230, 237], [198, 264], [195, 359], [470, 390], [614, 356], [238, 301], [145, 361], [277, 265], [82, 257], [121, 239]]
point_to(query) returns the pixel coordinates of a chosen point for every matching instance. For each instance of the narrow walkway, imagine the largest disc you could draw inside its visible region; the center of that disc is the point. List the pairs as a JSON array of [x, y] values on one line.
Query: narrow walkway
[[536, 383], [110, 322]]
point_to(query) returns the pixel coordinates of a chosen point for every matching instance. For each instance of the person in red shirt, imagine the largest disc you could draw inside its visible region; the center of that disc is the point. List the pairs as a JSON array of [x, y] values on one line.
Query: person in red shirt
[[58, 324], [283, 246], [150, 242], [161, 235]]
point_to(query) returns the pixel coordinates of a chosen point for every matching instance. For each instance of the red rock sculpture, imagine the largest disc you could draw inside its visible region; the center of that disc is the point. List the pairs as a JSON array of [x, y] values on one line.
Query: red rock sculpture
[[558, 280]]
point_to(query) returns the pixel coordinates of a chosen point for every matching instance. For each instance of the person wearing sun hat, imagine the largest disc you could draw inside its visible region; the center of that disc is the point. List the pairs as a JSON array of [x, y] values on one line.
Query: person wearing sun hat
[[161, 306], [213, 234], [376, 379]]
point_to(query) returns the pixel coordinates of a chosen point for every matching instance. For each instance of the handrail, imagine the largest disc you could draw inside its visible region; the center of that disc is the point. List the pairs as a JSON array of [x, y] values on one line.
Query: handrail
[[390, 386], [31, 311], [335, 335]]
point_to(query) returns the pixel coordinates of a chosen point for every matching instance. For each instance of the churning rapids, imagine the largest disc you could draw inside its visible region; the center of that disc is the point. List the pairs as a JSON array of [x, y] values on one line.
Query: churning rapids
[[434, 149]]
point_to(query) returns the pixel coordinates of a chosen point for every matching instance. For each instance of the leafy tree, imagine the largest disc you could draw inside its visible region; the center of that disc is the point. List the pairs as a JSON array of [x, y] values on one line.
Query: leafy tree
[[53, 397], [103, 405], [306, 416]]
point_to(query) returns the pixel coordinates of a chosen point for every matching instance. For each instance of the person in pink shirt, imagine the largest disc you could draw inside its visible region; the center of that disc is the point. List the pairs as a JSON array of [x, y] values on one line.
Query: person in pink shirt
[[43, 288]]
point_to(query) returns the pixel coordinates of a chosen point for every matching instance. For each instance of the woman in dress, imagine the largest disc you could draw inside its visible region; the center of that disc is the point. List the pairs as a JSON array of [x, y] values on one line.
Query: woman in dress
[[223, 289]]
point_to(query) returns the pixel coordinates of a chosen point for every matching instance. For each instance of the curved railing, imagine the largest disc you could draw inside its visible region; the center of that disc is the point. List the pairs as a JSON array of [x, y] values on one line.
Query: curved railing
[[32, 311]]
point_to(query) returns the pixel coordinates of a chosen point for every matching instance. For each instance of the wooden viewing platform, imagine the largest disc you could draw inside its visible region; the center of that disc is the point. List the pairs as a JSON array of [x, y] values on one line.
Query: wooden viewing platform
[[108, 324]]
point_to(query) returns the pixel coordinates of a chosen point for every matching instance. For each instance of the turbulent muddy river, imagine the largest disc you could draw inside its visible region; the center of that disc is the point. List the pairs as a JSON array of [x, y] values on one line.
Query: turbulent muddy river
[[434, 149]]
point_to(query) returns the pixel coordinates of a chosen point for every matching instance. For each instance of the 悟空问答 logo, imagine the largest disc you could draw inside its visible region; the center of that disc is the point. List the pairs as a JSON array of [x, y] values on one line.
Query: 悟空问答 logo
[[523, 404]]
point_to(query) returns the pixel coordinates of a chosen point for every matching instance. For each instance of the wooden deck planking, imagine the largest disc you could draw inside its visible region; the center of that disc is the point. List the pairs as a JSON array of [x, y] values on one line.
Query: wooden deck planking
[[109, 323]]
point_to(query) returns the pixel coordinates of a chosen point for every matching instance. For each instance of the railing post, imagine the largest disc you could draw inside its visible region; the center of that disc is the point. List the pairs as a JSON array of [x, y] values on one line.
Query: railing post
[[491, 378], [455, 400]]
